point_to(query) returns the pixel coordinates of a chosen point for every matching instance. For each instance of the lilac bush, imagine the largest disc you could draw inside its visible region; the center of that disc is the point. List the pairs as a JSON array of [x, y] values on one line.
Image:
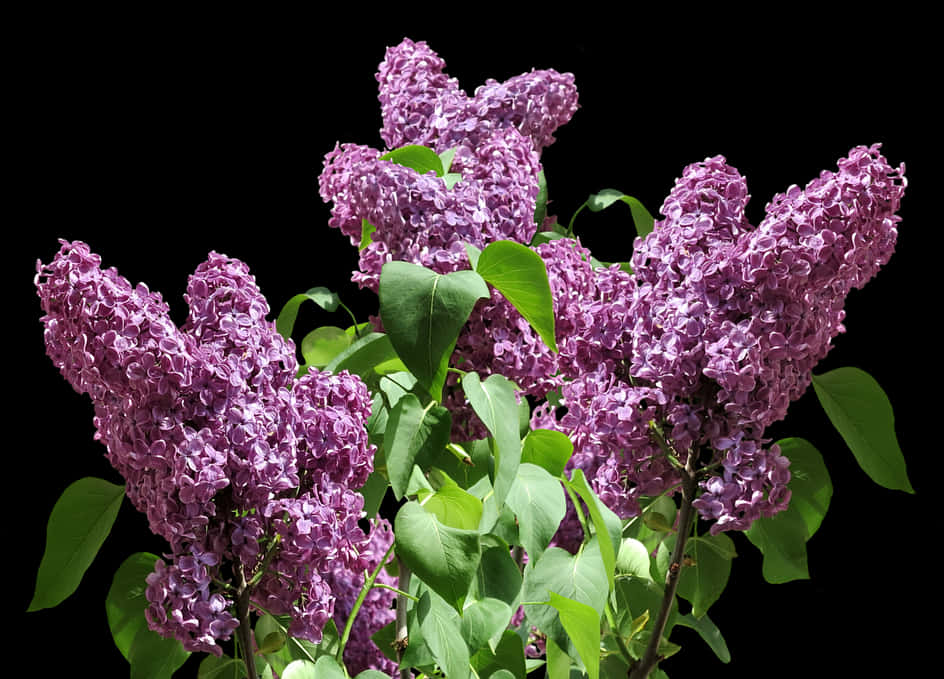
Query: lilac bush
[[648, 385]]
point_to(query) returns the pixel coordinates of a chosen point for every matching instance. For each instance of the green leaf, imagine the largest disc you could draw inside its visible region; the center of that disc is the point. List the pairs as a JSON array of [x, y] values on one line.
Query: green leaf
[[453, 506], [367, 230], [633, 558], [371, 674], [579, 576], [547, 448], [423, 313], [508, 656], [642, 219], [285, 323], [861, 412], [321, 345], [325, 667], [782, 538], [445, 159], [708, 631], [223, 667], [370, 358], [483, 620], [440, 624], [155, 657], [540, 204], [125, 603], [494, 402], [519, 273], [373, 490], [558, 662], [582, 624], [702, 582], [445, 558], [497, 577], [413, 430], [605, 522], [79, 522], [416, 157], [537, 500]]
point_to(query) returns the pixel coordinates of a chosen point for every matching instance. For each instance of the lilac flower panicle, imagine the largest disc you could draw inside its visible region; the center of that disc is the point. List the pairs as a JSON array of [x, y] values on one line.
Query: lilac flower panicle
[[227, 454], [496, 135]]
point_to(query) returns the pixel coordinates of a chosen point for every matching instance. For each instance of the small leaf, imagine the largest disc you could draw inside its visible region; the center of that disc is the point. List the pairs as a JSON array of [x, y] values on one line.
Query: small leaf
[[453, 506], [540, 204], [537, 500], [642, 219], [483, 620], [508, 656], [606, 523], [321, 345], [708, 631], [411, 430], [633, 558], [582, 624], [702, 582], [548, 449], [321, 296], [325, 667], [519, 273], [494, 402], [370, 358], [862, 414], [440, 624], [79, 522], [416, 157]]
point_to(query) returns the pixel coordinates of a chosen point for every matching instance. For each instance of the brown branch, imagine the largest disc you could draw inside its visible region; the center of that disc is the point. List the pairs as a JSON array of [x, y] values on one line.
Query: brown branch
[[651, 658]]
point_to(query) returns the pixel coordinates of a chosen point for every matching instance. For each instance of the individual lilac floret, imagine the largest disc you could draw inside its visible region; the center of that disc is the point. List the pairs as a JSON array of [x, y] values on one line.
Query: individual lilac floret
[[376, 611], [235, 462]]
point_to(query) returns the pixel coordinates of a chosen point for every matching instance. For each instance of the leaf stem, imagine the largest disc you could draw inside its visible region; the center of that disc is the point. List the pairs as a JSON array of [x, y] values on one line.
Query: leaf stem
[[650, 658], [368, 584]]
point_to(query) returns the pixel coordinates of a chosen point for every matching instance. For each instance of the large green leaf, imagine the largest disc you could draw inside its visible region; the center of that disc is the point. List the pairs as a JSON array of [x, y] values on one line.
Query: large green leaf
[[579, 576], [442, 632], [709, 632], [494, 402], [519, 273], [125, 602], [321, 345], [582, 624], [412, 429], [537, 500], [423, 312], [444, 558], [782, 538], [497, 577], [79, 522], [862, 414], [508, 655]]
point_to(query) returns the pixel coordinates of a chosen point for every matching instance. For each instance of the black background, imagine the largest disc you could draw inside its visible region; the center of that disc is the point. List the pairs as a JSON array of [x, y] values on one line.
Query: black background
[[158, 138]]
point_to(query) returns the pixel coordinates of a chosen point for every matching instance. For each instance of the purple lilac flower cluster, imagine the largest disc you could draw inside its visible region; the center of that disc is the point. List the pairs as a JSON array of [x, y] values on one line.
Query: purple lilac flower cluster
[[242, 468], [726, 323], [496, 135]]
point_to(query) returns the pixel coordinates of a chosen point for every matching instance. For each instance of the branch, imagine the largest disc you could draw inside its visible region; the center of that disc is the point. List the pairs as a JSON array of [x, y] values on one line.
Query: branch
[[402, 640], [244, 631], [651, 658]]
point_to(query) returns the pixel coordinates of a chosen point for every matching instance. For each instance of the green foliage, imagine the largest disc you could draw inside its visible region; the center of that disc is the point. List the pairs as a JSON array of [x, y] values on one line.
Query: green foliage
[[782, 538], [538, 503], [862, 414], [79, 522], [423, 313], [445, 558]]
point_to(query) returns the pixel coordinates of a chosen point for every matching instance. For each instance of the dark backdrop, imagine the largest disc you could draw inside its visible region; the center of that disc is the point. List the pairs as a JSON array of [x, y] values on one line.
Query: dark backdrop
[[157, 139]]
